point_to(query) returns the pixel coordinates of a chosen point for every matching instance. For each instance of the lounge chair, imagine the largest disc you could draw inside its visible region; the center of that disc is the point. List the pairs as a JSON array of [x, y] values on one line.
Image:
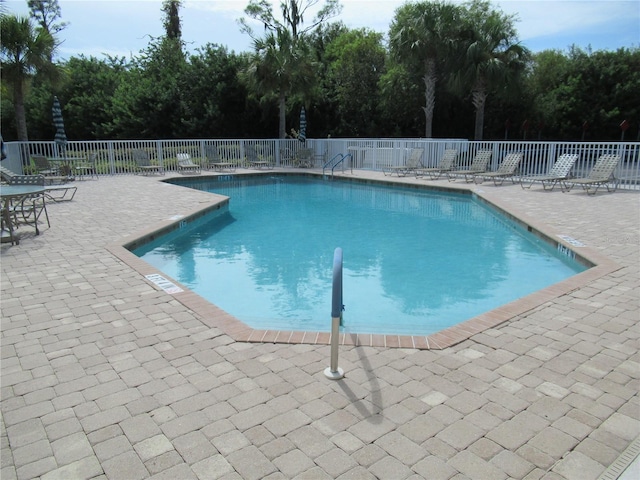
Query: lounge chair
[[186, 165], [213, 160], [447, 164], [602, 173], [253, 159], [303, 158], [13, 178], [507, 169], [560, 171], [144, 164], [478, 165], [413, 163]]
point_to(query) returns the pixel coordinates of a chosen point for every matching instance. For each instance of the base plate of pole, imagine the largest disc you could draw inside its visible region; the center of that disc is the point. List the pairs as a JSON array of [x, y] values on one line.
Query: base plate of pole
[[331, 375]]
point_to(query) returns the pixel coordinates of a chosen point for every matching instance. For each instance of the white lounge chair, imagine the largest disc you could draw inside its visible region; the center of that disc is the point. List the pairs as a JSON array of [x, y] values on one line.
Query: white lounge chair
[[560, 171], [602, 173], [447, 164], [478, 165], [507, 169], [186, 165], [413, 163], [57, 193]]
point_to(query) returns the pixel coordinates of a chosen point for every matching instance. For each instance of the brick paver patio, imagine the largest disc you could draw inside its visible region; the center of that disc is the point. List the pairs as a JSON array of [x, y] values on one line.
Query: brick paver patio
[[104, 375]]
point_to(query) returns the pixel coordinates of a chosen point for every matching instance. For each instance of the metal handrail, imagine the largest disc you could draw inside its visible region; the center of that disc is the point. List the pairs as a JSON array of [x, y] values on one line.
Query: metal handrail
[[330, 162], [334, 372], [337, 160], [348, 155]]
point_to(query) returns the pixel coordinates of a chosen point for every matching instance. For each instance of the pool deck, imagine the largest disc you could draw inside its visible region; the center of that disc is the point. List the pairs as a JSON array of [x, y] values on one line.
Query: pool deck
[[106, 375]]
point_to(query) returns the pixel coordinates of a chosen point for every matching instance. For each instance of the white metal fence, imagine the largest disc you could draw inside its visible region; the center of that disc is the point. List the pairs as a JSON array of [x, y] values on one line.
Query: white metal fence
[[117, 157]]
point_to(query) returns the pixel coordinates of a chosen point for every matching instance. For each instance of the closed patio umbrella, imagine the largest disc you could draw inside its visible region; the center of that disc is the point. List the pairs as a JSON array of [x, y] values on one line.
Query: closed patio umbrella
[[60, 137], [302, 135]]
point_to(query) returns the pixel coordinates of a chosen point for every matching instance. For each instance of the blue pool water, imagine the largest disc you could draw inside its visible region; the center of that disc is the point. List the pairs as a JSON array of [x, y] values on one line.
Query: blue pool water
[[415, 261]]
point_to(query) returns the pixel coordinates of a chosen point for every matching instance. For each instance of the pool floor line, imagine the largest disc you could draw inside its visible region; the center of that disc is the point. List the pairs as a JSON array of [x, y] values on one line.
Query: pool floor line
[[215, 317]]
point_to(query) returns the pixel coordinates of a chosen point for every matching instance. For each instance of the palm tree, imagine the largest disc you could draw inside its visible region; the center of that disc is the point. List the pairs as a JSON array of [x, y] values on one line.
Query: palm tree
[[491, 59], [280, 66], [24, 52], [282, 63], [423, 34]]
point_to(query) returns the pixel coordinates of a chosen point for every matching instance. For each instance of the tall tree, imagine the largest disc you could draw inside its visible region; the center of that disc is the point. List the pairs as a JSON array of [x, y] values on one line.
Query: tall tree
[[279, 67], [89, 92], [216, 99], [423, 34], [46, 13], [282, 64], [491, 58], [24, 51], [356, 61], [172, 24], [599, 88], [149, 102]]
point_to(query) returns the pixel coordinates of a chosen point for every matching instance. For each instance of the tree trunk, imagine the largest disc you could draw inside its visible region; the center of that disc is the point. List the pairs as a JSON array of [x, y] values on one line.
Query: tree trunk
[[282, 129], [21, 117], [429, 95], [479, 95]]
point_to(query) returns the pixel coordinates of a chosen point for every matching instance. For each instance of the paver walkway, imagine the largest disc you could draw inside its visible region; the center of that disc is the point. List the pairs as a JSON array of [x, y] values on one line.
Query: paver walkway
[[104, 375]]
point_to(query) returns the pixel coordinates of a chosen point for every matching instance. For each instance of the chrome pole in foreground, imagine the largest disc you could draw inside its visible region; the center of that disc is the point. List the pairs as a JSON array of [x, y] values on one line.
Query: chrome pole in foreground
[[334, 372]]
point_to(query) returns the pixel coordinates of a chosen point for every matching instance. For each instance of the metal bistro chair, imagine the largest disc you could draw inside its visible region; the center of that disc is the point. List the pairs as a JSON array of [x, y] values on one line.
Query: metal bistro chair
[[87, 168], [43, 166], [28, 209]]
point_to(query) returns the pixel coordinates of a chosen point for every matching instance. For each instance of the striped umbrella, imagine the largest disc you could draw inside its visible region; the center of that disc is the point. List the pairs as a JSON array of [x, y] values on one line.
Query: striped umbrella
[[61, 137], [302, 135]]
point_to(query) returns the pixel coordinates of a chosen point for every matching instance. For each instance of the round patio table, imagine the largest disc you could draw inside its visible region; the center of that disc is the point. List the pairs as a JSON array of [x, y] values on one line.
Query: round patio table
[[12, 192]]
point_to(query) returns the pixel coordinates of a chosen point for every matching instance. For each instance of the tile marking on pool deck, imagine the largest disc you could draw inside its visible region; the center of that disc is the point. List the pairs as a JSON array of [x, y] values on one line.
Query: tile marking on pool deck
[[239, 331]]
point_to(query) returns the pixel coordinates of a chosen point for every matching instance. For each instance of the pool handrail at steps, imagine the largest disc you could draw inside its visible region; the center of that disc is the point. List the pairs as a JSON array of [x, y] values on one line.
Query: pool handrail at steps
[[337, 160]]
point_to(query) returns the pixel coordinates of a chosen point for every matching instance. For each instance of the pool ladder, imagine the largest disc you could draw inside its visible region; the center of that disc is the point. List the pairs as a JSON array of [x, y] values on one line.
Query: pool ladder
[[339, 159]]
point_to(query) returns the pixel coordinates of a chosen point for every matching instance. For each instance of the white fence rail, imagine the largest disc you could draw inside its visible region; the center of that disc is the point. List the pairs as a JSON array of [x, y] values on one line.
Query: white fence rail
[[117, 157]]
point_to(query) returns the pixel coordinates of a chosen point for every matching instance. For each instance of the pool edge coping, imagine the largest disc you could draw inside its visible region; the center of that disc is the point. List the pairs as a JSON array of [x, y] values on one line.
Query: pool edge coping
[[215, 317]]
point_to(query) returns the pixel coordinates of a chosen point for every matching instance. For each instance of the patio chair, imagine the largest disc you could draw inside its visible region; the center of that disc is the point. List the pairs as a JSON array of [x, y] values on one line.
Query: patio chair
[[447, 164], [507, 169], [413, 163], [28, 209], [303, 158], [213, 160], [186, 165], [7, 234], [13, 178], [478, 165], [602, 173], [144, 163], [252, 158], [43, 166], [87, 168], [560, 171]]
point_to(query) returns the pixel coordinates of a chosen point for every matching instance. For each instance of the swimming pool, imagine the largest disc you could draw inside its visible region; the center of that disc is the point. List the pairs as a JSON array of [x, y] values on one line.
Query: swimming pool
[[415, 261]]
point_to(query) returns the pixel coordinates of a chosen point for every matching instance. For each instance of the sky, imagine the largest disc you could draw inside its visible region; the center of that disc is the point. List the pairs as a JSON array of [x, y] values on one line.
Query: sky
[[123, 28]]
